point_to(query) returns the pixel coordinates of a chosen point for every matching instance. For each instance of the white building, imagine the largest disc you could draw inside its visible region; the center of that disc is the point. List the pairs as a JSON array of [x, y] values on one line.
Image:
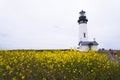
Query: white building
[[84, 43]]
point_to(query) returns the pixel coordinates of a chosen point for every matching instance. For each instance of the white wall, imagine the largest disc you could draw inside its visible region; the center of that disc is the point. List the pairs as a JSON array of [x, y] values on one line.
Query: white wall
[[82, 30], [86, 48], [95, 48]]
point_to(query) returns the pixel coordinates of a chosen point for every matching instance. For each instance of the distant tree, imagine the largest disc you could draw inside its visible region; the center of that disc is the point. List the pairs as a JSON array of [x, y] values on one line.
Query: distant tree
[[103, 49], [100, 49]]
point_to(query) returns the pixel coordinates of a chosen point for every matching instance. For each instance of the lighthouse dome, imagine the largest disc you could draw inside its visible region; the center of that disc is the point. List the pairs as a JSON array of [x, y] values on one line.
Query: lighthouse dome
[[82, 18]]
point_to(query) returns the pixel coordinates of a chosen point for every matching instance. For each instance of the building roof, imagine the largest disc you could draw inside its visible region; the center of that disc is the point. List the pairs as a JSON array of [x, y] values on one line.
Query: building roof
[[88, 43]]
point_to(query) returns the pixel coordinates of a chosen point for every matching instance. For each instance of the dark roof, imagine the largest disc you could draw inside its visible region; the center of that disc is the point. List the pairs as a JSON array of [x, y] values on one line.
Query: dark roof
[[82, 12], [88, 43], [82, 18]]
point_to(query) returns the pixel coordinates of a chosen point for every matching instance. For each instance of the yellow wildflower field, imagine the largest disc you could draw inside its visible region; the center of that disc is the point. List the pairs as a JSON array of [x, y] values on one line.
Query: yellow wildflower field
[[57, 65]]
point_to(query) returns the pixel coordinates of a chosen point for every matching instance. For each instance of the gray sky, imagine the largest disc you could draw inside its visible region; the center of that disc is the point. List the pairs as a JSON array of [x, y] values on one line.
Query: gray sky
[[49, 24]]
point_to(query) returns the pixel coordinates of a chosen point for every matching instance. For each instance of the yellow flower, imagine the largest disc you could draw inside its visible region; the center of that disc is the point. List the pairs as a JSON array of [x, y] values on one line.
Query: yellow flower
[[8, 67], [23, 77], [14, 78]]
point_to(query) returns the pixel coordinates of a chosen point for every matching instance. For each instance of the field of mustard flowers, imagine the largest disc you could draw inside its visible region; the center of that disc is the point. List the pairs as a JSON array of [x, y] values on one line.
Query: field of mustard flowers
[[57, 65]]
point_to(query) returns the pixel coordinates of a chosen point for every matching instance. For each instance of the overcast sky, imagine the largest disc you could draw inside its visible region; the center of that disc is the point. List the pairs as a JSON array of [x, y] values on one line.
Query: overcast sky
[[49, 24]]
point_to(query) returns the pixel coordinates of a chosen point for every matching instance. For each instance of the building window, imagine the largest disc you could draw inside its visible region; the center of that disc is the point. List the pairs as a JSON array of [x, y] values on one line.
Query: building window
[[84, 35]]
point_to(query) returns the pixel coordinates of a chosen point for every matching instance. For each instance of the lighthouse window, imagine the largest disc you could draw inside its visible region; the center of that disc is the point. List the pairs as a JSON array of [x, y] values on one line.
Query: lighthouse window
[[84, 35]]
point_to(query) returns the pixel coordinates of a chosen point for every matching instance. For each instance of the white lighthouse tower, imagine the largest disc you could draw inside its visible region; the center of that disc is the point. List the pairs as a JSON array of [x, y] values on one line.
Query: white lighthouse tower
[[83, 34], [84, 44]]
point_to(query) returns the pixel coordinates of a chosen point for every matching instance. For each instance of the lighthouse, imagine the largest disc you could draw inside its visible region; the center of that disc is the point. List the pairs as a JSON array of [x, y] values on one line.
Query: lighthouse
[[84, 44], [83, 34]]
